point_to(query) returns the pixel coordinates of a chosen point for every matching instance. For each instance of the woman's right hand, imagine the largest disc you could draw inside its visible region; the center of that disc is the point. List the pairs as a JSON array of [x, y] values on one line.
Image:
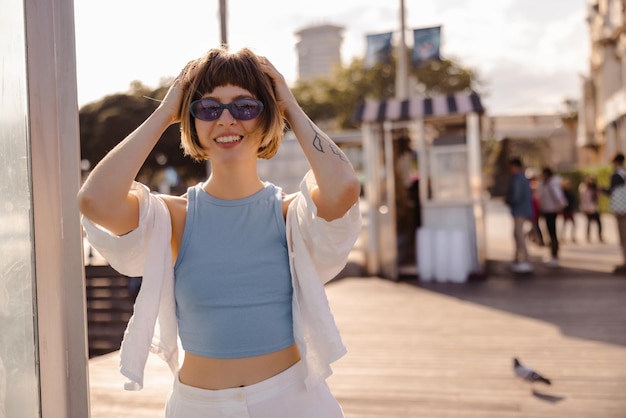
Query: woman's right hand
[[284, 95], [172, 101]]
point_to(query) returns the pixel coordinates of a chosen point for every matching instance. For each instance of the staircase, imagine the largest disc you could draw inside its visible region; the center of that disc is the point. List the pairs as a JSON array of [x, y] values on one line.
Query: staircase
[[110, 300]]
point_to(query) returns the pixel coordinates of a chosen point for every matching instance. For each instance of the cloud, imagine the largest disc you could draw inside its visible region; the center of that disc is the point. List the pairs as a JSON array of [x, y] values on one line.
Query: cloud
[[146, 40], [515, 89]]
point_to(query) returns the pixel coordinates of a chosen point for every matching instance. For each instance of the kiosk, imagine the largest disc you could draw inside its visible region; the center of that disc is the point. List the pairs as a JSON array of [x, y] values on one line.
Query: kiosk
[[423, 187]]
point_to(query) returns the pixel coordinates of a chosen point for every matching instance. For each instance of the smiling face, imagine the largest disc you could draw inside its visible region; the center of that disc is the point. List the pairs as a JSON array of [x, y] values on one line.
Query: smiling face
[[227, 139], [216, 70]]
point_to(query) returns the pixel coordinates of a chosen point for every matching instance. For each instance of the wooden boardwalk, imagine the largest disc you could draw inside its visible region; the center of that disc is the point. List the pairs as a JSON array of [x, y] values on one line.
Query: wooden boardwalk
[[443, 350]]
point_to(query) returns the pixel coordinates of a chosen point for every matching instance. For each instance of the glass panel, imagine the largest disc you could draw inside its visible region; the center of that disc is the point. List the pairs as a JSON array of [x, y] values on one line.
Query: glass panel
[[19, 381], [449, 173]]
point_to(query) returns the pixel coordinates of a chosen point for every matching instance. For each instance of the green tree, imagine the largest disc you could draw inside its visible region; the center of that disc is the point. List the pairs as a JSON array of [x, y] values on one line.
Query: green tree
[[445, 77], [103, 124], [333, 100]]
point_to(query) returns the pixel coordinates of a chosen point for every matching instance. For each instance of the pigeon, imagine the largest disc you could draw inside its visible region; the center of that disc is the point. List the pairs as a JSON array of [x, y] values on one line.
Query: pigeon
[[528, 374]]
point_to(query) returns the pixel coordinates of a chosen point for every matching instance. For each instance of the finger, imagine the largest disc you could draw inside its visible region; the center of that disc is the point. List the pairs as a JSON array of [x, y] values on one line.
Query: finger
[[190, 71], [266, 63]]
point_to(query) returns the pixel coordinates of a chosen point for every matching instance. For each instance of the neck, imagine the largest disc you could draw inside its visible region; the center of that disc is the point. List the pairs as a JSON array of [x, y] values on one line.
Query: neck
[[233, 181]]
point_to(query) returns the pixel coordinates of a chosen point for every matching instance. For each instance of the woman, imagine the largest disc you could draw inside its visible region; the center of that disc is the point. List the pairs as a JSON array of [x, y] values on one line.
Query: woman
[[588, 192], [234, 268], [551, 202], [617, 205], [535, 234]]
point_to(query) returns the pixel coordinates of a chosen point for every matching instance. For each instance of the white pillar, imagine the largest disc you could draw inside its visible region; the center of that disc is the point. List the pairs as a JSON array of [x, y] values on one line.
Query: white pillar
[[55, 156]]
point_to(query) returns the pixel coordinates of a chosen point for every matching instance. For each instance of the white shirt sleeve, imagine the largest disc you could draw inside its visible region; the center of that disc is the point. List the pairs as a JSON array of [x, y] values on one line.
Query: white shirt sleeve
[[126, 253], [328, 243]]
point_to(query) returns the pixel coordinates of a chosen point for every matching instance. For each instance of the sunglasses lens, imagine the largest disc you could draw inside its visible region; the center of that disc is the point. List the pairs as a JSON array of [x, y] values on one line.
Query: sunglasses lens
[[241, 109], [206, 109], [246, 109]]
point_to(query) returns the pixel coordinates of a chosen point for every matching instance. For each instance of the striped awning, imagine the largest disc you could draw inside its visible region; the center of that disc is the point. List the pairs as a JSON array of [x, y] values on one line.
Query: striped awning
[[394, 109]]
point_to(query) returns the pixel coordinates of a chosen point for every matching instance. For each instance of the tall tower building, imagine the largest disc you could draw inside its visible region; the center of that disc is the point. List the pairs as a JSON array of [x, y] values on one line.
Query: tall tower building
[[319, 50]]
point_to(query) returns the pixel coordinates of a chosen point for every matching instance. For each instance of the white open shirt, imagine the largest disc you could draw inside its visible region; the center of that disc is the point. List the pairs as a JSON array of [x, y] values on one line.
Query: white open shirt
[[318, 250]]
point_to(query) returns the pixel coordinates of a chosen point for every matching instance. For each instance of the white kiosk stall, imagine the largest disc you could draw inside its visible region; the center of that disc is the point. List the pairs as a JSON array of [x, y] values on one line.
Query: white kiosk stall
[[423, 187]]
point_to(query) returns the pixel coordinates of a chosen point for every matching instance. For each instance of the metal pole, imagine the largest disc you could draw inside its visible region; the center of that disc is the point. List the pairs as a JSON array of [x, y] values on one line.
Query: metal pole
[[224, 43], [402, 75], [223, 24]]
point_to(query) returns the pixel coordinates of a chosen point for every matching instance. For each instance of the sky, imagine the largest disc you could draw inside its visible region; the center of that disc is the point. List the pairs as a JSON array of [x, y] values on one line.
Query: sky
[[529, 54]]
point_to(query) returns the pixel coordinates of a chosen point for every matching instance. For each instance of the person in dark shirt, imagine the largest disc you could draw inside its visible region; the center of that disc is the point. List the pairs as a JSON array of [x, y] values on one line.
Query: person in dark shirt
[[569, 210], [519, 200]]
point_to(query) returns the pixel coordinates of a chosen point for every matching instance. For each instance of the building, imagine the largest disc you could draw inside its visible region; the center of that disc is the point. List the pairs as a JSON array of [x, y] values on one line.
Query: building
[[555, 132], [319, 50], [539, 139], [602, 123]]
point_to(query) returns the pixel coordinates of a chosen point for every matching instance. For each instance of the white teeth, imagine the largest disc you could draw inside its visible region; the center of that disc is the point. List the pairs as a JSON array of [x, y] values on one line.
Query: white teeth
[[227, 139]]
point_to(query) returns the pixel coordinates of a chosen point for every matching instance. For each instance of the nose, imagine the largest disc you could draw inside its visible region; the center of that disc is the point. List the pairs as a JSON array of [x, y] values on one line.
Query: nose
[[226, 118]]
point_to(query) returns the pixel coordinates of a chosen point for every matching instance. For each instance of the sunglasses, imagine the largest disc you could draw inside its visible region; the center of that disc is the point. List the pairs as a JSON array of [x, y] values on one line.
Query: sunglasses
[[240, 109]]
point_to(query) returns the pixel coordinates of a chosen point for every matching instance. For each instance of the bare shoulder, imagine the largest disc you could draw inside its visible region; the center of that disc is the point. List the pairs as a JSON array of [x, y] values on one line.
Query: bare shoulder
[[177, 205]]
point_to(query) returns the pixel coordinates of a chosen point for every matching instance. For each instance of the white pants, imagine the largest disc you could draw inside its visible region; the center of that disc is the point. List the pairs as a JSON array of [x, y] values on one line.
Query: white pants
[[283, 395]]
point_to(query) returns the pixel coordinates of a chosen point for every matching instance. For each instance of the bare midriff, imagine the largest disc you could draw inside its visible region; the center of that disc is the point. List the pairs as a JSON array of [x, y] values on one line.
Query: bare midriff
[[219, 373]]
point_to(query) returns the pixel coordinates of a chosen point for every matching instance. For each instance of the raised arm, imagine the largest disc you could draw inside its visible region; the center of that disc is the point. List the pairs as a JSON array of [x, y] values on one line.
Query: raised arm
[[338, 186], [105, 198]]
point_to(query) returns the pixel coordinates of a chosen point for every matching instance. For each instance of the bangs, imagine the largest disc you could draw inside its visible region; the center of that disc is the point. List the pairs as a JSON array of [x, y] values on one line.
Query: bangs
[[241, 70]]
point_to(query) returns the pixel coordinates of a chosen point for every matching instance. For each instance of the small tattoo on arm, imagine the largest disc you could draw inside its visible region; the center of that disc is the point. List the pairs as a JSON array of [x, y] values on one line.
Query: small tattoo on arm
[[337, 152], [318, 144]]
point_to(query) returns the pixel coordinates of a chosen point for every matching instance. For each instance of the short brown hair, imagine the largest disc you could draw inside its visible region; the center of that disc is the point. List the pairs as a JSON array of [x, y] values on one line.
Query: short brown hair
[[218, 67]]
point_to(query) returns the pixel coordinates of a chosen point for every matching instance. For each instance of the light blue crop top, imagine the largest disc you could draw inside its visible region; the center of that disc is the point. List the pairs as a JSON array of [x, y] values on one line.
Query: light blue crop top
[[232, 278]]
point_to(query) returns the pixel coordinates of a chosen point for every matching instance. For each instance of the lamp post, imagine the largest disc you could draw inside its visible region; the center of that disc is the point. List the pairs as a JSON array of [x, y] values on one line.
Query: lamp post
[[224, 43], [402, 75], [223, 24]]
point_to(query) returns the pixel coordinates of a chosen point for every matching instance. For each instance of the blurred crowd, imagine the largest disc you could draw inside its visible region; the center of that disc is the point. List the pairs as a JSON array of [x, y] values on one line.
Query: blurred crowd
[[550, 200]]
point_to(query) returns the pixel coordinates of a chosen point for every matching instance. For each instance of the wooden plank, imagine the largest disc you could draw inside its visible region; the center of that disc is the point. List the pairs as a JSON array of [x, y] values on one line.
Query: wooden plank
[[436, 351]]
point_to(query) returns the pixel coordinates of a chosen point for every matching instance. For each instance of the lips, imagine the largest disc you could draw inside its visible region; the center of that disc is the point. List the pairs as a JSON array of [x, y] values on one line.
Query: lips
[[228, 139]]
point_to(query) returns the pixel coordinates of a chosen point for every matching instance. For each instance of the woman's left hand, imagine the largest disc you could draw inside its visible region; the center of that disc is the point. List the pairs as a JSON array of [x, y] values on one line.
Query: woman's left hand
[[284, 96]]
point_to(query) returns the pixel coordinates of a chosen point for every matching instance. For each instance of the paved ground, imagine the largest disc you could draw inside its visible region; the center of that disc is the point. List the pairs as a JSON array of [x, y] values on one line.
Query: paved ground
[[445, 350]]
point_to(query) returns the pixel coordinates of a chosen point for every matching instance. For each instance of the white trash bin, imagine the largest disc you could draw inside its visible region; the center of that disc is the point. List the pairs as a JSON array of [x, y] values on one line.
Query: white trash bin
[[443, 255], [425, 254]]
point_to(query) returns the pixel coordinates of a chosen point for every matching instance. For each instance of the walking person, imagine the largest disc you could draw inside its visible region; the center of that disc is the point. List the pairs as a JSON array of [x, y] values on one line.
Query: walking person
[[234, 268], [551, 202], [519, 200], [588, 195], [535, 235], [617, 193], [569, 210]]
